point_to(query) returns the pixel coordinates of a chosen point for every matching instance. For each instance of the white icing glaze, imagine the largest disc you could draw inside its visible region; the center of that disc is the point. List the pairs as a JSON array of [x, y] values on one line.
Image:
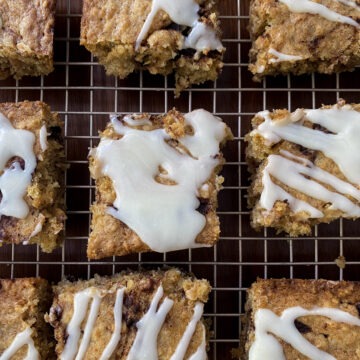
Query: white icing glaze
[[294, 175], [94, 310], [133, 121], [185, 12], [145, 343], [272, 193], [200, 353], [21, 339], [14, 181], [282, 57], [43, 138], [115, 338], [149, 326], [267, 347], [209, 132], [157, 212], [81, 302], [299, 159], [36, 230], [260, 69], [182, 346], [202, 38], [343, 147], [311, 7]]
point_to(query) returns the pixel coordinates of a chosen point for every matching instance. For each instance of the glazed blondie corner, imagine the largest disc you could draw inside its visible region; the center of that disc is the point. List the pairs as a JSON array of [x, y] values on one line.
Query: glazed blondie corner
[[32, 164], [163, 196], [182, 37], [302, 319], [303, 36], [304, 167], [24, 302], [157, 313]]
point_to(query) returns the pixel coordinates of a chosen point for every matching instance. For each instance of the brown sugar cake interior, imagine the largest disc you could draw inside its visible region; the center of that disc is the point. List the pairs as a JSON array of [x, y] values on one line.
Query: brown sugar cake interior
[[159, 36], [24, 332], [303, 36], [156, 183], [31, 175], [157, 313], [26, 37], [302, 319], [304, 167]]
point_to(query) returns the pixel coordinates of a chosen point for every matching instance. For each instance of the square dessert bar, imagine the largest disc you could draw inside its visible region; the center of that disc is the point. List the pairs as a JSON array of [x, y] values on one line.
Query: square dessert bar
[[302, 319], [24, 332], [130, 315], [31, 175], [26, 37], [159, 36], [305, 167], [156, 183], [302, 36]]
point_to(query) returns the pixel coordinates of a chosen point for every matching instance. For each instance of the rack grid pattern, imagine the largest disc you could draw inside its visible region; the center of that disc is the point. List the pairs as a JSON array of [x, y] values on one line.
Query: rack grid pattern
[[84, 96]]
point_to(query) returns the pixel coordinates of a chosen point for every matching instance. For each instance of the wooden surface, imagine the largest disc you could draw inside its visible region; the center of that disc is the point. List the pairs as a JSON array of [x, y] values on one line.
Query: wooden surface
[[84, 96]]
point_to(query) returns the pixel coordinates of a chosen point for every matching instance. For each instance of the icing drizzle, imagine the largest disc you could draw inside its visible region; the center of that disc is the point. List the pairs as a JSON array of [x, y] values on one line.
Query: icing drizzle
[[311, 7], [155, 211], [200, 353], [115, 338], [272, 192], [282, 57], [342, 146], [81, 302], [21, 339], [189, 332], [185, 12], [43, 138], [15, 180], [298, 173], [37, 229], [149, 326], [294, 175], [267, 347]]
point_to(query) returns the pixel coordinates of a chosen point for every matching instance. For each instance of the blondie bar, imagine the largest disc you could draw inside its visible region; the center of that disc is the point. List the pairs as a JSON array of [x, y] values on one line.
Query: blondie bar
[[31, 175], [302, 319], [132, 315], [301, 36], [158, 36], [26, 37], [305, 167], [156, 183], [24, 332]]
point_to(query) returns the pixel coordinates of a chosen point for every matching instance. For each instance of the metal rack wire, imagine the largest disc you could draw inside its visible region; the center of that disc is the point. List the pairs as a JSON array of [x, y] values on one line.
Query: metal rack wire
[[84, 96]]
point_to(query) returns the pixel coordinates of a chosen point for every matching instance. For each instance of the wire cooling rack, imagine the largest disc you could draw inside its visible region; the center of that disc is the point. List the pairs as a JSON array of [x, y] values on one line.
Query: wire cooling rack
[[84, 96]]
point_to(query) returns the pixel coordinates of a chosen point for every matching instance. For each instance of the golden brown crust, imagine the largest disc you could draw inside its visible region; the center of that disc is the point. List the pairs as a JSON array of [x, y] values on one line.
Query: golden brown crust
[[280, 294], [45, 193], [110, 236], [325, 46], [26, 37], [109, 29], [23, 304], [140, 288], [281, 217]]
